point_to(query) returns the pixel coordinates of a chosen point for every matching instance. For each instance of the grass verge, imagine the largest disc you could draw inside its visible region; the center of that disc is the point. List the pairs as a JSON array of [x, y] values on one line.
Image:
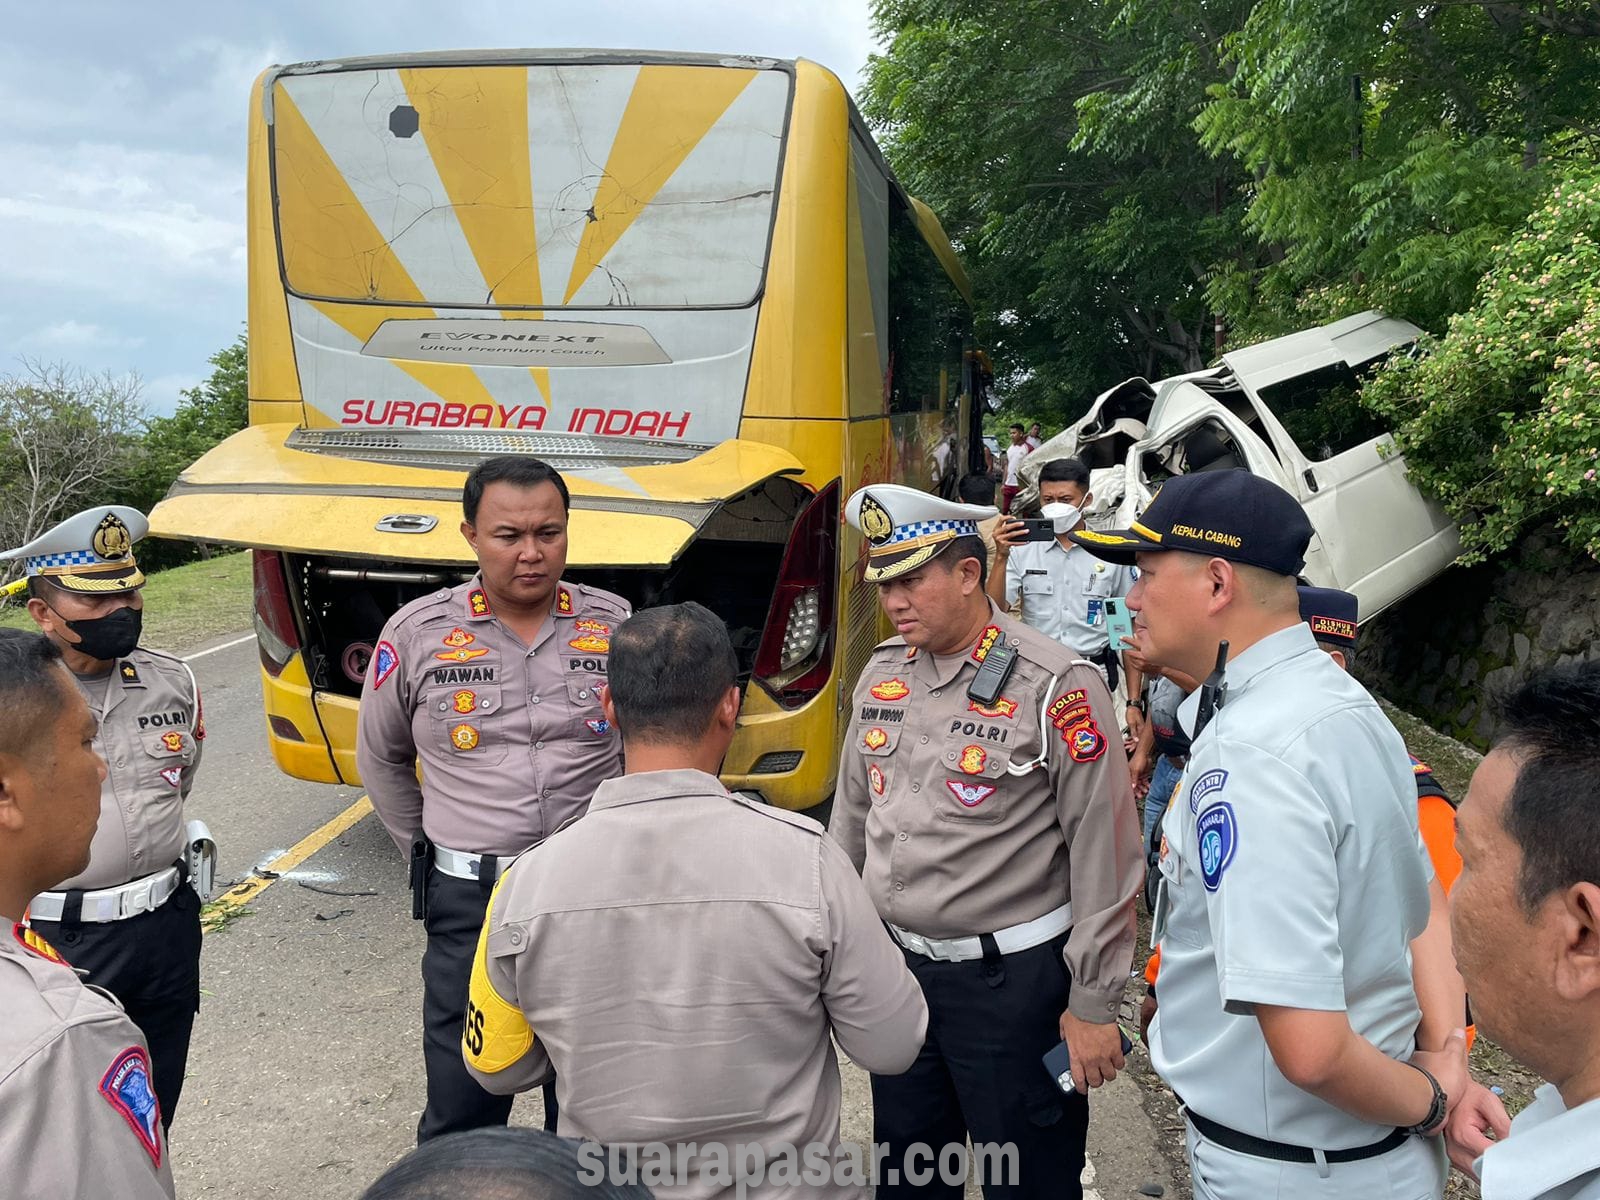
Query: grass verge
[[183, 606]]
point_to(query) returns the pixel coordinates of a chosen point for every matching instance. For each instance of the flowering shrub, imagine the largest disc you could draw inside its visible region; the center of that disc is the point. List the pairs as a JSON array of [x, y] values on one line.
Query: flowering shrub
[[1499, 420]]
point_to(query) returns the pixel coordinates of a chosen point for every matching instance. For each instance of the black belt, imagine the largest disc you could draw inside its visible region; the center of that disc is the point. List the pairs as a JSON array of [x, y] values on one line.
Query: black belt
[[1248, 1143]]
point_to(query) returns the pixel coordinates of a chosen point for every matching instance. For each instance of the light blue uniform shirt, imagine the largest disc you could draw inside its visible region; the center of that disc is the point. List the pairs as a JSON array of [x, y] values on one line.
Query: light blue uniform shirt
[[1294, 875], [1553, 1153], [1063, 591]]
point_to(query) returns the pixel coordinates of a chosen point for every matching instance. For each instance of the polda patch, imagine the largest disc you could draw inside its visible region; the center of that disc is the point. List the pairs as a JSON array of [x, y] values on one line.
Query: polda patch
[[384, 661], [126, 1087]]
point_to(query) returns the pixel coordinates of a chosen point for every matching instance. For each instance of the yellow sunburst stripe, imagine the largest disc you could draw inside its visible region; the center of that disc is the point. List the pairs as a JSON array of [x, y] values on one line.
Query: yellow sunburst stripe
[[475, 122], [332, 248], [670, 109]]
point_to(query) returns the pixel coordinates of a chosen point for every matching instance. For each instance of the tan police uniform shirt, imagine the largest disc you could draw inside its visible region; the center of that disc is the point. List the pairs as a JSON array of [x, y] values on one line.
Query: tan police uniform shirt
[[151, 731], [510, 736], [737, 939], [951, 842], [78, 1117]]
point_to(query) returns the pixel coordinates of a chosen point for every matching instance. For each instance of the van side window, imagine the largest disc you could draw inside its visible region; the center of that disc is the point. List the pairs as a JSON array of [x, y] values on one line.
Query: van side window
[[1323, 413]]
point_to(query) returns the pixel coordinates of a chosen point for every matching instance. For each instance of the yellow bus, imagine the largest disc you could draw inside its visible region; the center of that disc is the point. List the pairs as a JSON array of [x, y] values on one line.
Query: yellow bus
[[688, 282]]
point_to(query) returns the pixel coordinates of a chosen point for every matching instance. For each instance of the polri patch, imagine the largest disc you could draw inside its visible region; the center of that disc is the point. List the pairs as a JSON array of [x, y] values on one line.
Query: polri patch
[[877, 779], [1085, 743], [1203, 786], [464, 701], [970, 794], [875, 739], [973, 760], [384, 661], [173, 775], [126, 1087], [1218, 837], [173, 742]]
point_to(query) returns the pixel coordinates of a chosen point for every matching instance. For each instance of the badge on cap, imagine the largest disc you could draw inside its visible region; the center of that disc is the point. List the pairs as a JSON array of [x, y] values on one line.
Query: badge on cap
[[876, 522], [111, 539]]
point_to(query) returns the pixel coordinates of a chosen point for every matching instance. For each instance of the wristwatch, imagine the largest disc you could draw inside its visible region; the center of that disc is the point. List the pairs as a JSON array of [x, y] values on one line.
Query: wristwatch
[[1436, 1110], [1139, 704]]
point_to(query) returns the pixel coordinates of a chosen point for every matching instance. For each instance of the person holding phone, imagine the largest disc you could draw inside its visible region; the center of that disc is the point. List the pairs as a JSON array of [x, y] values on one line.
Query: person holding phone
[[1064, 588]]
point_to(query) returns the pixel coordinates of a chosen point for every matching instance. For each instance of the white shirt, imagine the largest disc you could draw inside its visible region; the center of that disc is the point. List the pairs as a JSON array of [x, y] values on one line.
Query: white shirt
[[1063, 590], [1553, 1153], [1031, 442], [1014, 457], [1293, 874]]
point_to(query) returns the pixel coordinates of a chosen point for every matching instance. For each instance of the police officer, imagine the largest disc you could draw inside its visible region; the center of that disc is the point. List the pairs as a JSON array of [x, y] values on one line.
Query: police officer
[[1063, 588], [984, 797], [495, 686], [1310, 1017], [129, 918], [747, 940], [78, 1114]]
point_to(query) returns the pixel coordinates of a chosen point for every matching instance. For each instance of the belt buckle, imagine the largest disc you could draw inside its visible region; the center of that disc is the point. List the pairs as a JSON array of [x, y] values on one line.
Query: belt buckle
[[916, 943]]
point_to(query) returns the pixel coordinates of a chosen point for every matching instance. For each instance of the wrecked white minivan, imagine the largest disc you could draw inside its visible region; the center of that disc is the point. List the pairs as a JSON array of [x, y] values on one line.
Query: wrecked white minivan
[[1288, 410]]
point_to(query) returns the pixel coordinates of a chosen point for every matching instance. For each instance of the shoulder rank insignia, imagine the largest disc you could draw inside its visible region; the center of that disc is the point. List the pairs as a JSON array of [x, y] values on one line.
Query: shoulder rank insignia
[[128, 673], [563, 602], [34, 944], [889, 689], [985, 643], [478, 602], [384, 661], [126, 1087]]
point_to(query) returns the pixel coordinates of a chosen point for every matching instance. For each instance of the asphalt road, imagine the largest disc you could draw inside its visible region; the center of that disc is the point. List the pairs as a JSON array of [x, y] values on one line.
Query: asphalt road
[[305, 1077]]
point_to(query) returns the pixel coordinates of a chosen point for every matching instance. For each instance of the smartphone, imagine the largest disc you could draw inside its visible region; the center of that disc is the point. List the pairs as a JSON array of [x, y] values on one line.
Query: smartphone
[[1119, 621], [1058, 1061], [1039, 529]]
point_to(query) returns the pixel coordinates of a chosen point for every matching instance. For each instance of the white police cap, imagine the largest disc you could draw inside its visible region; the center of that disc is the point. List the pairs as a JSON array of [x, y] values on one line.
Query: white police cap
[[89, 552], [906, 528]]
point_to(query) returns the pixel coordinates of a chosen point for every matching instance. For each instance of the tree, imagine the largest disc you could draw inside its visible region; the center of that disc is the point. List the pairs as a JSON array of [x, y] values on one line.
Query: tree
[[66, 442], [1089, 257], [1501, 418], [207, 414]]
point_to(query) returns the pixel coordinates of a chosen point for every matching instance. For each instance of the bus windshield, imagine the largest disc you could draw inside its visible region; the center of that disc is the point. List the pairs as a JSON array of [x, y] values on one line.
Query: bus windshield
[[559, 186]]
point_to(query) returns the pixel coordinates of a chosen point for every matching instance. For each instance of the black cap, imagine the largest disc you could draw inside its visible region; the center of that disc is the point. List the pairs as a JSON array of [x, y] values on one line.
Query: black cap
[[1221, 514], [1330, 613]]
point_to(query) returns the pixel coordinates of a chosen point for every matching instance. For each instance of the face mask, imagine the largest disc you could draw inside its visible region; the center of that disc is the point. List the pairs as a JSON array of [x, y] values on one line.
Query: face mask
[[1065, 516], [108, 637]]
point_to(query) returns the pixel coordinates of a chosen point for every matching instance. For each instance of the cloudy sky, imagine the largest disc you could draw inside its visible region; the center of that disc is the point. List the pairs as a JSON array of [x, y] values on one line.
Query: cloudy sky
[[123, 144]]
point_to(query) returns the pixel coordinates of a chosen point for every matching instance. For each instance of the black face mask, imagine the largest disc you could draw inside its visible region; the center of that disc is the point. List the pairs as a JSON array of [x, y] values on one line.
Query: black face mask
[[108, 637]]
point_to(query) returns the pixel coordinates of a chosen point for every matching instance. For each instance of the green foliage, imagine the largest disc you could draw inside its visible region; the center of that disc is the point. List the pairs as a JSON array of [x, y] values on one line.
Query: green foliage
[[216, 409], [1500, 419]]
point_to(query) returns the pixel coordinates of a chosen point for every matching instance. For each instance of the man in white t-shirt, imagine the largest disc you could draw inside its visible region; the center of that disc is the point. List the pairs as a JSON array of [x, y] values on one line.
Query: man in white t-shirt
[[1015, 453], [1035, 437]]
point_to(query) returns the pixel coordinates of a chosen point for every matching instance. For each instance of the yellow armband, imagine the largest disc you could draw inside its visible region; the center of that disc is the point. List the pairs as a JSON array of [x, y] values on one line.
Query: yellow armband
[[496, 1034]]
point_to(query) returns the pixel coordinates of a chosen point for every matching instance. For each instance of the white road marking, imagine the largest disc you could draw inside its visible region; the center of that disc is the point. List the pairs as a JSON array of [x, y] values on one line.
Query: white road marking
[[238, 641], [1087, 1178]]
